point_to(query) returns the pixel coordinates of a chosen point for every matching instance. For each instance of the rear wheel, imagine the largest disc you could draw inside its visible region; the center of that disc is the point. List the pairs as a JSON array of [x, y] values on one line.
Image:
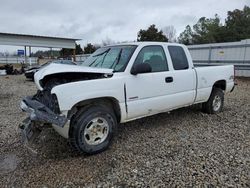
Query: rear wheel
[[92, 129], [215, 102]]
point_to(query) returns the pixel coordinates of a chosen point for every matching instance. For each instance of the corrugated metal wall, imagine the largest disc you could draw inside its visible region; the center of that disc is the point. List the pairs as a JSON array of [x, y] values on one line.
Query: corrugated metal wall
[[237, 53]]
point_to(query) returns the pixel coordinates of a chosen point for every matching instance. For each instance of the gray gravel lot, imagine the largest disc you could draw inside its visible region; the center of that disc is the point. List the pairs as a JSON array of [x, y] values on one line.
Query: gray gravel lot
[[183, 148]]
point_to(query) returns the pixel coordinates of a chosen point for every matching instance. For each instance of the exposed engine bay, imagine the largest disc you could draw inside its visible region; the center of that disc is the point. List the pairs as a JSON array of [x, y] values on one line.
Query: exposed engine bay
[[45, 97]]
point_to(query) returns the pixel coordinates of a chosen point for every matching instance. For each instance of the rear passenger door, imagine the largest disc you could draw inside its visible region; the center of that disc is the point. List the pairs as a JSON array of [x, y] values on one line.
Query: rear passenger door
[[182, 90]]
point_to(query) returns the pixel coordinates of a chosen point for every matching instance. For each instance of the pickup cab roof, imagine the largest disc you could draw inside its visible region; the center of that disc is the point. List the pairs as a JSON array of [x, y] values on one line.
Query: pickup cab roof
[[146, 43]]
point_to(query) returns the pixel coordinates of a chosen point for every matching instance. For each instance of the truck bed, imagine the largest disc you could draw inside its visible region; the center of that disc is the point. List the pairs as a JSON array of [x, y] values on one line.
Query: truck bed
[[208, 75]]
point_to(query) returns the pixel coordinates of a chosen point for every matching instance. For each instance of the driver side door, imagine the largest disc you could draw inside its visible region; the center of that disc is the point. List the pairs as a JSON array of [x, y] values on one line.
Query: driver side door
[[146, 92]]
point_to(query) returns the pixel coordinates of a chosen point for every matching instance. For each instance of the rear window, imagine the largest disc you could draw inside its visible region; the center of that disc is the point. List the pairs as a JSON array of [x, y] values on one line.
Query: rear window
[[179, 58]]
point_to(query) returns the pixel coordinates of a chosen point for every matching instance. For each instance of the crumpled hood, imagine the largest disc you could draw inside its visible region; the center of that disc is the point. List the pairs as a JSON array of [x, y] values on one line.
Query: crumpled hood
[[54, 68]]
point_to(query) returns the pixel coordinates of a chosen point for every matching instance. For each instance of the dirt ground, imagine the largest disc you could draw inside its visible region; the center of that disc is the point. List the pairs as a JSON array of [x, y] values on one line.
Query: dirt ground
[[183, 148]]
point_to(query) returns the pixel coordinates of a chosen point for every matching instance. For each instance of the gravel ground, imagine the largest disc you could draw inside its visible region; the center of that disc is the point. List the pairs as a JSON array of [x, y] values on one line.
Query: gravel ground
[[184, 148]]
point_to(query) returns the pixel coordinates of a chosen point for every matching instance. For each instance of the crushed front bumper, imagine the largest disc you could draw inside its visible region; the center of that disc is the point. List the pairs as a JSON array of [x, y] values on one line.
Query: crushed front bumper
[[41, 113], [39, 116], [29, 130]]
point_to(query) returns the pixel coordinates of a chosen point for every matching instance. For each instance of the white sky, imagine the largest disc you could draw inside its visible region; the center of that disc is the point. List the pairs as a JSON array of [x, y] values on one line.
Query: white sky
[[97, 20]]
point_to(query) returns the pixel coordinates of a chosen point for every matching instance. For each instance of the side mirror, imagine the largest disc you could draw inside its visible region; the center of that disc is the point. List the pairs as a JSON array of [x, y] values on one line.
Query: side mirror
[[141, 68]]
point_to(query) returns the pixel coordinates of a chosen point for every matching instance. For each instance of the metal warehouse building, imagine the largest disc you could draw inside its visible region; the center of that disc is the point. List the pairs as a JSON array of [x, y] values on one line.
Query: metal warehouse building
[[236, 53]]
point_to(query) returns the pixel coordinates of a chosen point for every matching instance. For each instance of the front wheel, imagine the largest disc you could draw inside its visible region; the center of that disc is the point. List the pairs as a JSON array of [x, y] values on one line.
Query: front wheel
[[92, 129], [215, 102]]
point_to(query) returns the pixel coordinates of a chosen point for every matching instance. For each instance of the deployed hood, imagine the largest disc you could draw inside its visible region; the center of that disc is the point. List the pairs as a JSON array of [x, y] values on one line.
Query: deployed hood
[[60, 68]]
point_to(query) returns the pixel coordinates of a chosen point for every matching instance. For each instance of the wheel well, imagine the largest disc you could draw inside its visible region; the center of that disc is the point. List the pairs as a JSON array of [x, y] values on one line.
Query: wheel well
[[107, 101], [220, 84]]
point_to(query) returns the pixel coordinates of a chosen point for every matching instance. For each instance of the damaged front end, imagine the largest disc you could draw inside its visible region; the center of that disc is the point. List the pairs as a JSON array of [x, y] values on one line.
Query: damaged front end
[[41, 113], [39, 117], [43, 108]]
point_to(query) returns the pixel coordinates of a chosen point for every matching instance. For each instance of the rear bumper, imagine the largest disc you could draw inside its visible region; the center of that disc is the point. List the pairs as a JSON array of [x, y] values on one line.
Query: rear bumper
[[38, 112]]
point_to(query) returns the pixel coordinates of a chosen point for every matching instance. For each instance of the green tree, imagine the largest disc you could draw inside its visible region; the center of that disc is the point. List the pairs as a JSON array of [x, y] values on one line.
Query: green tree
[[89, 49], [237, 24], [151, 34], [186, 36], [206, 30], [210, 30], [78, 49], [65, 52]]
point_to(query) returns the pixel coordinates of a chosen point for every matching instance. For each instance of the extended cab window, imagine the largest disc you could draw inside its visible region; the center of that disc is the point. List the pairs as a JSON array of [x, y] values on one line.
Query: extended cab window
[[179, 58], [154, 56]]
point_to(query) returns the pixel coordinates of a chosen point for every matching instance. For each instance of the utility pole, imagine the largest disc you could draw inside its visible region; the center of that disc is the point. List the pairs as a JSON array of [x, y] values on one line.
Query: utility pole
[[25, 54], [74, 54]]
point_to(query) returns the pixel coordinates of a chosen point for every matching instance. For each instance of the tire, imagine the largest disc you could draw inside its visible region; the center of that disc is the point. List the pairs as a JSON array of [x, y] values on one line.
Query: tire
[[215, 102], [92, 129]]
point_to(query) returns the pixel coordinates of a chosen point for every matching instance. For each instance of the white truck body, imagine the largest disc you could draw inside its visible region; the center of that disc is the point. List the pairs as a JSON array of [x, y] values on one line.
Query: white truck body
[[138, 95]]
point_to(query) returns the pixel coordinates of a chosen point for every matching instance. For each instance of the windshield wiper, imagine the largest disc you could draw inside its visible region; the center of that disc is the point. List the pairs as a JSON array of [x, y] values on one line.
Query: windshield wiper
[[92, 63], [102, 53], [104, 57], [106, 51], [117, 59]]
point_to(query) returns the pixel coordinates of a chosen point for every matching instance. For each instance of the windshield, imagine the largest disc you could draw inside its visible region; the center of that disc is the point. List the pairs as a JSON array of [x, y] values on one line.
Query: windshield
[[115, 57]]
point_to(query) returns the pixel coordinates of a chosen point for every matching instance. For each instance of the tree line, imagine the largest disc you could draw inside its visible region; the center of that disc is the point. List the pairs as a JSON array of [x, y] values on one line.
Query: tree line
[[212, 30], [207, 30]]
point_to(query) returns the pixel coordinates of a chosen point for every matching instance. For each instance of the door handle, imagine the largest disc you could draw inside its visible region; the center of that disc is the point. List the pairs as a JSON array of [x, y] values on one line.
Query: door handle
[[169, 79]]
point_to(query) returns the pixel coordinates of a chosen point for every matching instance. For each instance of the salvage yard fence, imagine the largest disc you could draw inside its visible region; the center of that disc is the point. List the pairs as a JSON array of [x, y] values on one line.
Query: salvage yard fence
[[34, 60], [82, 57], [234, 53], [17, 60]]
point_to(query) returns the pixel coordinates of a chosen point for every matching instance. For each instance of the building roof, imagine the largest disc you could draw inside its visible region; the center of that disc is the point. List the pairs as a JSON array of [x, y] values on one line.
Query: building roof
[[38, 36], [14, 39]]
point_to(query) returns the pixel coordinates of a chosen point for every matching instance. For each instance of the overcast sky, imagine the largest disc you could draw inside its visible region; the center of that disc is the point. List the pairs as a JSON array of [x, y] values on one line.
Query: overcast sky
[[97, 20]]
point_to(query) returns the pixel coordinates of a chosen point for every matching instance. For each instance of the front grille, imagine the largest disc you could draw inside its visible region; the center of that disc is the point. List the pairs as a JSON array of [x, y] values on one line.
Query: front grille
[[48, 99]]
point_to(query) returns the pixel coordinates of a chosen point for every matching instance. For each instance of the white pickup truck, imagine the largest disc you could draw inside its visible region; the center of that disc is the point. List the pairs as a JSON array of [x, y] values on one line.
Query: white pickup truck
[[117, 84]]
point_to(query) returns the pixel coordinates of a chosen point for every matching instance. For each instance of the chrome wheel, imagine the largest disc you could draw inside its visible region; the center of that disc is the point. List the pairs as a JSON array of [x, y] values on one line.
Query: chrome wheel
[[216, 103], [96, 131]]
